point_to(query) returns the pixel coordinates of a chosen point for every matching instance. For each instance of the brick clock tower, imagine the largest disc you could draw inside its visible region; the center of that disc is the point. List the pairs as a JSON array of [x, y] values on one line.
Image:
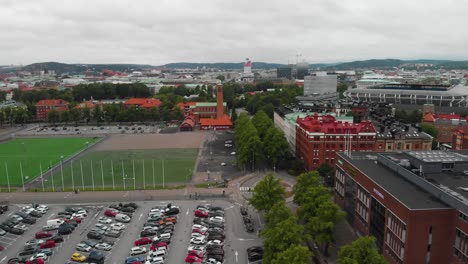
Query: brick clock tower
[[219, 102]]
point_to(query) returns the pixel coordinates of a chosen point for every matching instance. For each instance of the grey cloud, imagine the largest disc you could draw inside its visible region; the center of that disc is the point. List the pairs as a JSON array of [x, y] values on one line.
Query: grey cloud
[[158, 32]]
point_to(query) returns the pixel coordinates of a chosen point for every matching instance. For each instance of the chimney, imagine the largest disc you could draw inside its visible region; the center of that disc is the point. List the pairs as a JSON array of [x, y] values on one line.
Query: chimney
[[219, 102]]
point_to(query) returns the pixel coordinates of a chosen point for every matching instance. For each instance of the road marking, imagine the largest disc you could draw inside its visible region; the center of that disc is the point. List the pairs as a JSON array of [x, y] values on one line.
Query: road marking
[[187, 211], [245, 239], [139, 218], [50, 216], [10, 214], [230, 207], [3, 259], [237, 260]]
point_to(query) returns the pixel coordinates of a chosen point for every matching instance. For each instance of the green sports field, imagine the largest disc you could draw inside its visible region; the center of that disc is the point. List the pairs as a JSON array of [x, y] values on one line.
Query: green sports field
[[29, 154], [126, 169]]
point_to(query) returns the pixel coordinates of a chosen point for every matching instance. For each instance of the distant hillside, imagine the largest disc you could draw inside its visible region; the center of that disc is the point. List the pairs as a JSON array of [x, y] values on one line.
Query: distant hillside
[[223, 65], [60, 68], [391, 63]]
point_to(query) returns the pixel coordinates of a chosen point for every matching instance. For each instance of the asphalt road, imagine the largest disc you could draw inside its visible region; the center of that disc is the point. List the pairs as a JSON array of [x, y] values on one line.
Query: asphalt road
[[236, 243]]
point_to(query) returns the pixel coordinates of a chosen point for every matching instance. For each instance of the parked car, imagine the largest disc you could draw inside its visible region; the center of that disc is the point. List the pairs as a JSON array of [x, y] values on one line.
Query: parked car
[[137, 251], [132, 260], [111, 213], [48, 244], [142, 241], [42, 234], [105, 220], [78, 257], [83, 247], [103, 246], [200, 213]]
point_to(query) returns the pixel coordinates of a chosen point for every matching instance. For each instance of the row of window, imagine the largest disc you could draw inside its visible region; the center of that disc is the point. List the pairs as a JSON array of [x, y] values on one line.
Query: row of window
[[340, 176], [363, 197], [395, 246], [463, 216], [339, 189], [396, 226], [461, 242], [363, 212]]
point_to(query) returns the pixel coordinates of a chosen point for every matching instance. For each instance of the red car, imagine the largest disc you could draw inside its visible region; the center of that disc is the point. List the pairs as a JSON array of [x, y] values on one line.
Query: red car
[[193, 259], [199, 231], [76, 219], [110, 213], [36, 261], [143, 241], [200, 213], [43, 234], [195, 253], [48, 244]]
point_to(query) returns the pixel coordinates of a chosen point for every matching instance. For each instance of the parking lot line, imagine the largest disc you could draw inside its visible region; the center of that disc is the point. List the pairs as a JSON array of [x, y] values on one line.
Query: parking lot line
[[1, 261]]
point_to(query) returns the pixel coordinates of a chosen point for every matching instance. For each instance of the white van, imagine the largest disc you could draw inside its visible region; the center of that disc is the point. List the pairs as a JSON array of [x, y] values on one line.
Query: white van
[[122, 218], [55, 222]]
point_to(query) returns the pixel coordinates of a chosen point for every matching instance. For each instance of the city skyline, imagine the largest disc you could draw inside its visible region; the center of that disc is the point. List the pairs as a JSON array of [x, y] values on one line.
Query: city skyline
[[209, 31]]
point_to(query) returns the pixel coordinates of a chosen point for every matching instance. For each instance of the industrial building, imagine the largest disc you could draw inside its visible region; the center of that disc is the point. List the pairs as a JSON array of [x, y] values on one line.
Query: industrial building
[[414, 203], [320, 84]]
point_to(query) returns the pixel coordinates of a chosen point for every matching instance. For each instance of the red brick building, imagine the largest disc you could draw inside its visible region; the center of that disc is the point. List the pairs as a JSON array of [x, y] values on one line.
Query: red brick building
[[460, 138], [445, 125], [318, 138], [411, 202], [43, 107], [145, 103]]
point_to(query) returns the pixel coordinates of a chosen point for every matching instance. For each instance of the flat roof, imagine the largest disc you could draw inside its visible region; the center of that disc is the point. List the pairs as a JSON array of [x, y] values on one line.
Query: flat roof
[[406, 192]]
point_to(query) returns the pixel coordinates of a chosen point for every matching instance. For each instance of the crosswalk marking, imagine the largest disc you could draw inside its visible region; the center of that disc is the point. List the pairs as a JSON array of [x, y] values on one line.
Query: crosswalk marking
[[245, 189]]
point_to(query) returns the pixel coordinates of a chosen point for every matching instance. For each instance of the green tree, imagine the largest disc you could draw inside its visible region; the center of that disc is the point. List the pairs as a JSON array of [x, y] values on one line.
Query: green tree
[[341, 88], [326, 171], [430, 129], [279, 238], [295, 254], [2, 117], [275, 146], [262, 123], [304, 182], [233, 115], [97, 114], [277, 213], [313, 197], [86, 114], [65, 116], [266, 193], [220, 77], [154, 114], [322, 226], [75, 115], [176, 114], [361, 251], [53, 116]]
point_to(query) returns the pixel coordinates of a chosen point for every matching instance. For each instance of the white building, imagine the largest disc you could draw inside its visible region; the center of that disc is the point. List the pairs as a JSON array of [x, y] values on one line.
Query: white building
[[320, 84]]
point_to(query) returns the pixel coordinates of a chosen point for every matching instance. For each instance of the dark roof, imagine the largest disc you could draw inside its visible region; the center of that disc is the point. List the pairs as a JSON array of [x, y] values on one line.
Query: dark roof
[[407, 193]]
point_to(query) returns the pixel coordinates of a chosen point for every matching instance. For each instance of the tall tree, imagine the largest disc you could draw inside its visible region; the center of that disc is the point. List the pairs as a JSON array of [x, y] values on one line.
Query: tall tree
[[277, 213], [154, 114], [65, 116], [322, 226], [361, 251], [341, 88], [97, 114], [262, 123], [86, 114], [53, 116], [285, 234], [75, 115], [275, 146], [304, 181], [295, 254], [326, 171], [267, 192]]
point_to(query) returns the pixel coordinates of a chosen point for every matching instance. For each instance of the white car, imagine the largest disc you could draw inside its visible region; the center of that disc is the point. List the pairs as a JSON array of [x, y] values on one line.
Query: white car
[[42, 256], [215, 242], [118, 226], [217, 219], [81, 215], [155, 254], [105, 220], [201, 227], [197, 248], [22, 227], [137, 251], [83, 247], [34, 242], [212, 261], [42, 210], [156, 260], [42, 206], [102, 226], [198, 241], [103, 246], [150, 228], [165, 235], [2, 232], [196, 235]]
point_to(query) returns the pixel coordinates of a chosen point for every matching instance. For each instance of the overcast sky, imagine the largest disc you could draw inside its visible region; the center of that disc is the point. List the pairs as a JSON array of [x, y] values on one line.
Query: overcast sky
[[163, 31]]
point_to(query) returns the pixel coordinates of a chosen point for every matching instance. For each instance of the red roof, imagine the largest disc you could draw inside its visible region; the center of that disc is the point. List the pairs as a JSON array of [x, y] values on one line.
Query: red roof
[[327, 124], [144, 102], [52, 102], [86, 104], [188, 122], [429, 117], [448, 116], [225, 120]]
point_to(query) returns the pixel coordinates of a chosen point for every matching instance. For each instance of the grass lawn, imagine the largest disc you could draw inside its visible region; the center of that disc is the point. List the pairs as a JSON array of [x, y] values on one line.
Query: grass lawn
[[31, 153], [128, 164]]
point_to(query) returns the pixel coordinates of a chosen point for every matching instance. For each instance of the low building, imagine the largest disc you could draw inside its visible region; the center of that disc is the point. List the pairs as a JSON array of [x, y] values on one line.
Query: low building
[[318, 138], [395, 136], [188, 124], [223, 123], [145, 103], [460, 138], [445, 125], [43, 107], [414, 203]]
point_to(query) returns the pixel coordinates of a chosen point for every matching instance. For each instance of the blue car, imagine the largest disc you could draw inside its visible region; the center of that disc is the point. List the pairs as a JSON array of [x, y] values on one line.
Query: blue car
[[131, 260]]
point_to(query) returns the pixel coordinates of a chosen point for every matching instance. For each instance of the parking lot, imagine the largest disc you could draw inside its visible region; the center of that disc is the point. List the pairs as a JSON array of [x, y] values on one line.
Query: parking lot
[[237, 239], [103, 129]]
